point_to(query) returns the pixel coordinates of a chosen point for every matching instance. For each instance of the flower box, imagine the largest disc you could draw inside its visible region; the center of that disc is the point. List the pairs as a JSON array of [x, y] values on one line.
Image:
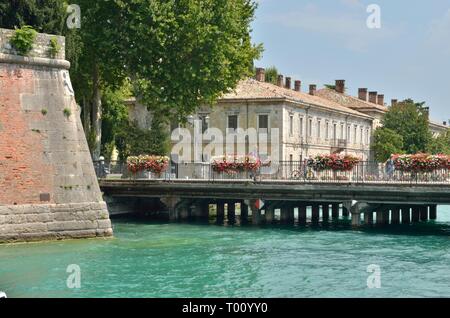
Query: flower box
[[235, 164], [421, 162], [147, 163], [335, 162]]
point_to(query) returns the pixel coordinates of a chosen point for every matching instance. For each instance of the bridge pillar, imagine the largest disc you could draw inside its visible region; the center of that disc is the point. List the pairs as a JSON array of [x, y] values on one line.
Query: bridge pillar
[[368, 218], [302, 214], [285, 214], [406, 215], [396, 215], [256, 216], [380, 217], [220, 212], [175, 207], [345, 211], [325, 211], [231, 212], [335, 210], [415, 214], [424, 213], [433, 212], [315, 213], [270, 214], [244, 213], [356, 214]]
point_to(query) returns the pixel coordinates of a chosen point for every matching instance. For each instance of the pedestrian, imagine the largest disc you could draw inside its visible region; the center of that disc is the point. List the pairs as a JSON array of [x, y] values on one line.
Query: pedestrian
[[390, 168]]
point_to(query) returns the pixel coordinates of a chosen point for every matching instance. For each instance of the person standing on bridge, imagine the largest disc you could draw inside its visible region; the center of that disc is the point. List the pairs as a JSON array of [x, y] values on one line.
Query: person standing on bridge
[[390, 168]]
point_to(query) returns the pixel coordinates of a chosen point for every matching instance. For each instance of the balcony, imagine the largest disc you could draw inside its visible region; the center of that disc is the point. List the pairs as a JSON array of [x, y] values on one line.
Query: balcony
[[338, 145]]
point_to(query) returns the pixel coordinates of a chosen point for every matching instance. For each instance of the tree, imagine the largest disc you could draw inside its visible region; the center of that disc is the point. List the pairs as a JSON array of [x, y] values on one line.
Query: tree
[[272, 75], [410, 121], [46, 16], [386, 142], [440, 144], [187, 53]]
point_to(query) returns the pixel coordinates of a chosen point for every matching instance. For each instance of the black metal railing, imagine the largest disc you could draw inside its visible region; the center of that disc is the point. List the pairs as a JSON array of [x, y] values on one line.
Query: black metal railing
[[295, 171]]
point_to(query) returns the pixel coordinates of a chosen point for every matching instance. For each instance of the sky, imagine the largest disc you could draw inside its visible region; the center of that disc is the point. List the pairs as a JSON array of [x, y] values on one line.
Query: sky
[[319, 41]]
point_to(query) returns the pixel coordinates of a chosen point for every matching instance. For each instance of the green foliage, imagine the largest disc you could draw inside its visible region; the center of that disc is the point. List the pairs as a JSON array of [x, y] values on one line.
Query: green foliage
[[329, 86], [54, 47], [23, 39], [133, 141], [188, 52], [271, 75], [115, 115], [44, 111], [410, 121], [440, 144], [386, 142], [47, 16], [67, 112]]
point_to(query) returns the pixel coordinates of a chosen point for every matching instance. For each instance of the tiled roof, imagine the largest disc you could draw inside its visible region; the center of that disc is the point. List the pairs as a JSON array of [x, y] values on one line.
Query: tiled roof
[[252, 89], [348, 101]]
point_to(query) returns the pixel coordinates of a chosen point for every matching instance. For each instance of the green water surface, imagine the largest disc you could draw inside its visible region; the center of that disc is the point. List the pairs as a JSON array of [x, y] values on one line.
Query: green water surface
[[192, 260]]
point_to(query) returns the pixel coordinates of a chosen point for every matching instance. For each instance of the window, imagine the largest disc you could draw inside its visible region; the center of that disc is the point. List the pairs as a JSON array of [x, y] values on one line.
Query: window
[[205, 124], [301, 126], [349, 137], [232, 123], [291, 125], [327, 131], [318, 129], [367, 137], [334, 131], [362, 136], [355, 134], [342, 131], [310, 128], [263, 123]]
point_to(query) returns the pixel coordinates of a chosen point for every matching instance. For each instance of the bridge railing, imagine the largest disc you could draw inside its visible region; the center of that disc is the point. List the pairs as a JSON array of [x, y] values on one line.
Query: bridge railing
[[295, 171]]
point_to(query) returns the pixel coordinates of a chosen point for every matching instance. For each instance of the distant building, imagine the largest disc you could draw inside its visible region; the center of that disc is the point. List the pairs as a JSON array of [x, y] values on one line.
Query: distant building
[[317, 122]]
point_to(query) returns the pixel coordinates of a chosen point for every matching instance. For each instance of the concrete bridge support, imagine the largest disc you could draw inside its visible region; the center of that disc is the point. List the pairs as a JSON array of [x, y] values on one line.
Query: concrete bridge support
[[433, 212], [302, 214], [335, 210], [406, 215], [345, 211], [415, 214], [220, 212], [395, 212], [325, 212], [231, 212], [287, 214], [244, 213], [368, 217], [315, 213], [270, 214], [424, 213]]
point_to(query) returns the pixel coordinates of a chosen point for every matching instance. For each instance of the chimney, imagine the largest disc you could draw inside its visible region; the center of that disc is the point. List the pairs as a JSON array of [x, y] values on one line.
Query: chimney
[[288, 83], [444, 123], [381, 99], [340, 86], [298, 86], [260, 74], [373, 97], [427, 111], [312, 89], [280, 80], [362, 94], [394, 102]]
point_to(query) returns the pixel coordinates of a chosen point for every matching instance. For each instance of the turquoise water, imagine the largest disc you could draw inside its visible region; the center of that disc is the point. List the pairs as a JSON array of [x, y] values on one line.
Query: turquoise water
[[192, 260]]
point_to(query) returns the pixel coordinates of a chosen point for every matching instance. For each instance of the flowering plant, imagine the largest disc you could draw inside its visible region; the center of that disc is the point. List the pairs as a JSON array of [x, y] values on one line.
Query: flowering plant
[[336, 162], [155, 164], [235, 163], [421, 162]]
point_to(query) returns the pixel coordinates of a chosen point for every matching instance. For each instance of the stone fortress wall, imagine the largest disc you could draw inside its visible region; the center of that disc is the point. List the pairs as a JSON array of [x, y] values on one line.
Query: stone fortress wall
[[48, 187]]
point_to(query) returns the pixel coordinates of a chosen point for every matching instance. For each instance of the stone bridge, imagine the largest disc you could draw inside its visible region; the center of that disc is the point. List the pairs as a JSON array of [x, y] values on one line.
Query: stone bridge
[[182, 199]]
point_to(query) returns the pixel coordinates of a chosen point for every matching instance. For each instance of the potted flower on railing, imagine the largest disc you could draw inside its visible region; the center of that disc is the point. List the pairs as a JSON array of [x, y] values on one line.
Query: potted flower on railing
[[421, 162], [334, 163], [233, 164], [147, 163]]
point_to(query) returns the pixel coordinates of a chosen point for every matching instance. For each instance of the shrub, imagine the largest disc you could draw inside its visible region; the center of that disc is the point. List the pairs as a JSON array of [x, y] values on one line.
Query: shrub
[[23, 39], [54, 47]]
